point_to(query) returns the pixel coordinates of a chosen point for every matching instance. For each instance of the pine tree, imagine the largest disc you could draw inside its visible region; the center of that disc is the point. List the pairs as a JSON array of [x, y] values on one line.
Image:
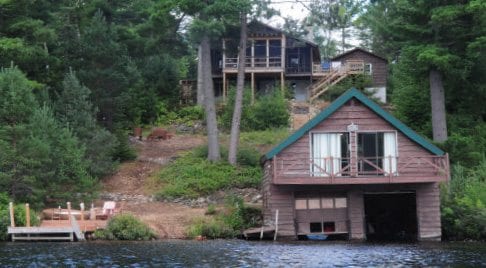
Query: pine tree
[[74, 110]]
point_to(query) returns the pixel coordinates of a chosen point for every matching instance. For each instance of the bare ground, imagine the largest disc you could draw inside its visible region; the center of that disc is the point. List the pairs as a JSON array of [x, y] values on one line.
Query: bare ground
[[132, 182]]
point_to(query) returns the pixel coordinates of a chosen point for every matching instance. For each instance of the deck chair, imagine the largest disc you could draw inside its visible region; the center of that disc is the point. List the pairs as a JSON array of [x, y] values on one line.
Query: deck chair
[[109, 209]]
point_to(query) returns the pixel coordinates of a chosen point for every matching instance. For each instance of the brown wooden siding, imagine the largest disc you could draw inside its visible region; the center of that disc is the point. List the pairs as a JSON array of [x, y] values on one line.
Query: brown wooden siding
[[379, 66], [282, 197], [414, 159], [428, 212], [277, 198], [356, 215]]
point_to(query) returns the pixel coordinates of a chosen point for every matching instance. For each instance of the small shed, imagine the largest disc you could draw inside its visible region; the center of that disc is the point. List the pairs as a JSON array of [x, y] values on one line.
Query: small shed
[[356, 171]]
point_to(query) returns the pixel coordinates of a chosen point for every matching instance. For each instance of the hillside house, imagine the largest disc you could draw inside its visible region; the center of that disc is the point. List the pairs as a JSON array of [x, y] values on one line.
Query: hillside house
[[373, 65], [355, 170], [275, 59]]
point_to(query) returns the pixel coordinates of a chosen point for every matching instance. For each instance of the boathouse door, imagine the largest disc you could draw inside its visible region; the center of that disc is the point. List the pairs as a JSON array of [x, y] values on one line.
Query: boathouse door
[[391, 216], [321, 213]]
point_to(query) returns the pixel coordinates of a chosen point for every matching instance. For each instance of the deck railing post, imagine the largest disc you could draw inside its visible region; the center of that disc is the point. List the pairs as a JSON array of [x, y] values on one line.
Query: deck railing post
[[12, 214], [331, 164], [27, 215], [391, 167]]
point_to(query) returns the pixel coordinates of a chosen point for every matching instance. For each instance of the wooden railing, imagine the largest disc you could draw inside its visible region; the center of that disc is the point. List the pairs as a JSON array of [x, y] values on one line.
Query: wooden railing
[[349, 67], [416, 166], [254, 62]]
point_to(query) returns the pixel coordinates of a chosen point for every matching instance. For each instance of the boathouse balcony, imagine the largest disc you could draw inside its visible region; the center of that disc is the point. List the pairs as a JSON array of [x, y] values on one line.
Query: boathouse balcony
[[361, 170]]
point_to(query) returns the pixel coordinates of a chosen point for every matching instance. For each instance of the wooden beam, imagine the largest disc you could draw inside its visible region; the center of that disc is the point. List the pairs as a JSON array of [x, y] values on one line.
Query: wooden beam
[[268, 53], [224, 56], [276, 226], [224, 87], [27, 215], [282, 81], [252, 87]]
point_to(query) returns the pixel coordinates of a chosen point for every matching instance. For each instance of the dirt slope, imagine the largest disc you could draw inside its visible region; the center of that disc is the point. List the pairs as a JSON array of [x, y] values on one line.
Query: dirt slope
[[129, 186]]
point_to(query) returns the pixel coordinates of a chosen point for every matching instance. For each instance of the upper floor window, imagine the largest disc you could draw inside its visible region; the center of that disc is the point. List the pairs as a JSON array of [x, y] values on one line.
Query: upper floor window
[[377, 153], [330, 154]]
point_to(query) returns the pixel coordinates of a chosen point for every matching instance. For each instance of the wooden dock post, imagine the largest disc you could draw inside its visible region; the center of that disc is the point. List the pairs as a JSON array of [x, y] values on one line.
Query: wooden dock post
[[12, 215], [81, 206], [276, 226], [27, 215], [69, 210]]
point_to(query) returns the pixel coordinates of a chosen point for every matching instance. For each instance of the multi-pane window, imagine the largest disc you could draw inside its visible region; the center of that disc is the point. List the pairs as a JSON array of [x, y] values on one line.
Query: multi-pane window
[[321, 203], [377, 153]]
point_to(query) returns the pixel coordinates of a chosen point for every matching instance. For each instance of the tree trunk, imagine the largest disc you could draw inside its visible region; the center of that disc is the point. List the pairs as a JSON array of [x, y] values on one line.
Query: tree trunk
[[210, 107], [343, 39], [200, 89], [240, 86], [437, 101]]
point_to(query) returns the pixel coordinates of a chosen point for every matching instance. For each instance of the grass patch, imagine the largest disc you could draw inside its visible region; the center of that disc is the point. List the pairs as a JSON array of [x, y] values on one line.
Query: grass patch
[[263, 140], [192, 176]]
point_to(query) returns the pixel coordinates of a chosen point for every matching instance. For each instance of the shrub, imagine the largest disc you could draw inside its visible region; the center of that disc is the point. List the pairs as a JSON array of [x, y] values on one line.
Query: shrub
[[271, 111], [210, 228], [268, 111], [123, 151], [20, 219], [125, 227], [464, 203], [211, 210], [235, 217]]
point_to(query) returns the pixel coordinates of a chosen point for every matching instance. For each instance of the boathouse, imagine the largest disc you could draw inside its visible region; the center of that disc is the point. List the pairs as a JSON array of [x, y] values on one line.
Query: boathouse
[[355, 171]]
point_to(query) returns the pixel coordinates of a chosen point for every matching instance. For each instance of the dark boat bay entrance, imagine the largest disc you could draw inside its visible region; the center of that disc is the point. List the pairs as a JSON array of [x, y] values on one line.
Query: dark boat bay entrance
[[391, 216]]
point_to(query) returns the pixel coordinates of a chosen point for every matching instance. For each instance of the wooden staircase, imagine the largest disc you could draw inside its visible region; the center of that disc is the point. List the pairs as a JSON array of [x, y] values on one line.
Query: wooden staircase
[[325, 83], [333, 77]]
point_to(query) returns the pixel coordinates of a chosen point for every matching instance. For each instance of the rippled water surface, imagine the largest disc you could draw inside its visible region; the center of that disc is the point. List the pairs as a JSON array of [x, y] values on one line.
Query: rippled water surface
[[238, 253]]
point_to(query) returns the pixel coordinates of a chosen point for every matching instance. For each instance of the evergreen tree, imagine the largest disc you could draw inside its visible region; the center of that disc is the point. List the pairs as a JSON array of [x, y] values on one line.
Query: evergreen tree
[[75, 110]]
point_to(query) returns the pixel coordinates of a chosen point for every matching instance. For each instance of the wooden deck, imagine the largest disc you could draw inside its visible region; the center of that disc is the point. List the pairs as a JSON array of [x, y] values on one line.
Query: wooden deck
[[57, 230], [87, 226]]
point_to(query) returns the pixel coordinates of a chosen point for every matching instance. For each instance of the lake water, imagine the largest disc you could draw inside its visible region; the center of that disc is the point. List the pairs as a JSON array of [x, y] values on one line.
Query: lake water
[[238, 253]]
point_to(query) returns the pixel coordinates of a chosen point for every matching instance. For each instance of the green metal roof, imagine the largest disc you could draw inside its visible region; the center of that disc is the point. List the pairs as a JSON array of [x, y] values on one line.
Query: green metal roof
[[335, 105]]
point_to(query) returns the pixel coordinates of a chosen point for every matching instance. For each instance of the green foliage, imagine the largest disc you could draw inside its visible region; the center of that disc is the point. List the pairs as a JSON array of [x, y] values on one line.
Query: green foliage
[[268, 111], [75, 110], [360, 81], [211, 228], [186, 115], [193, 176], [246, 155], [464, 203], [271, 111], [211, 210], [19, 212], [235, 217], [40, 158], [254, 139], [123, 151], [125, 227]]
